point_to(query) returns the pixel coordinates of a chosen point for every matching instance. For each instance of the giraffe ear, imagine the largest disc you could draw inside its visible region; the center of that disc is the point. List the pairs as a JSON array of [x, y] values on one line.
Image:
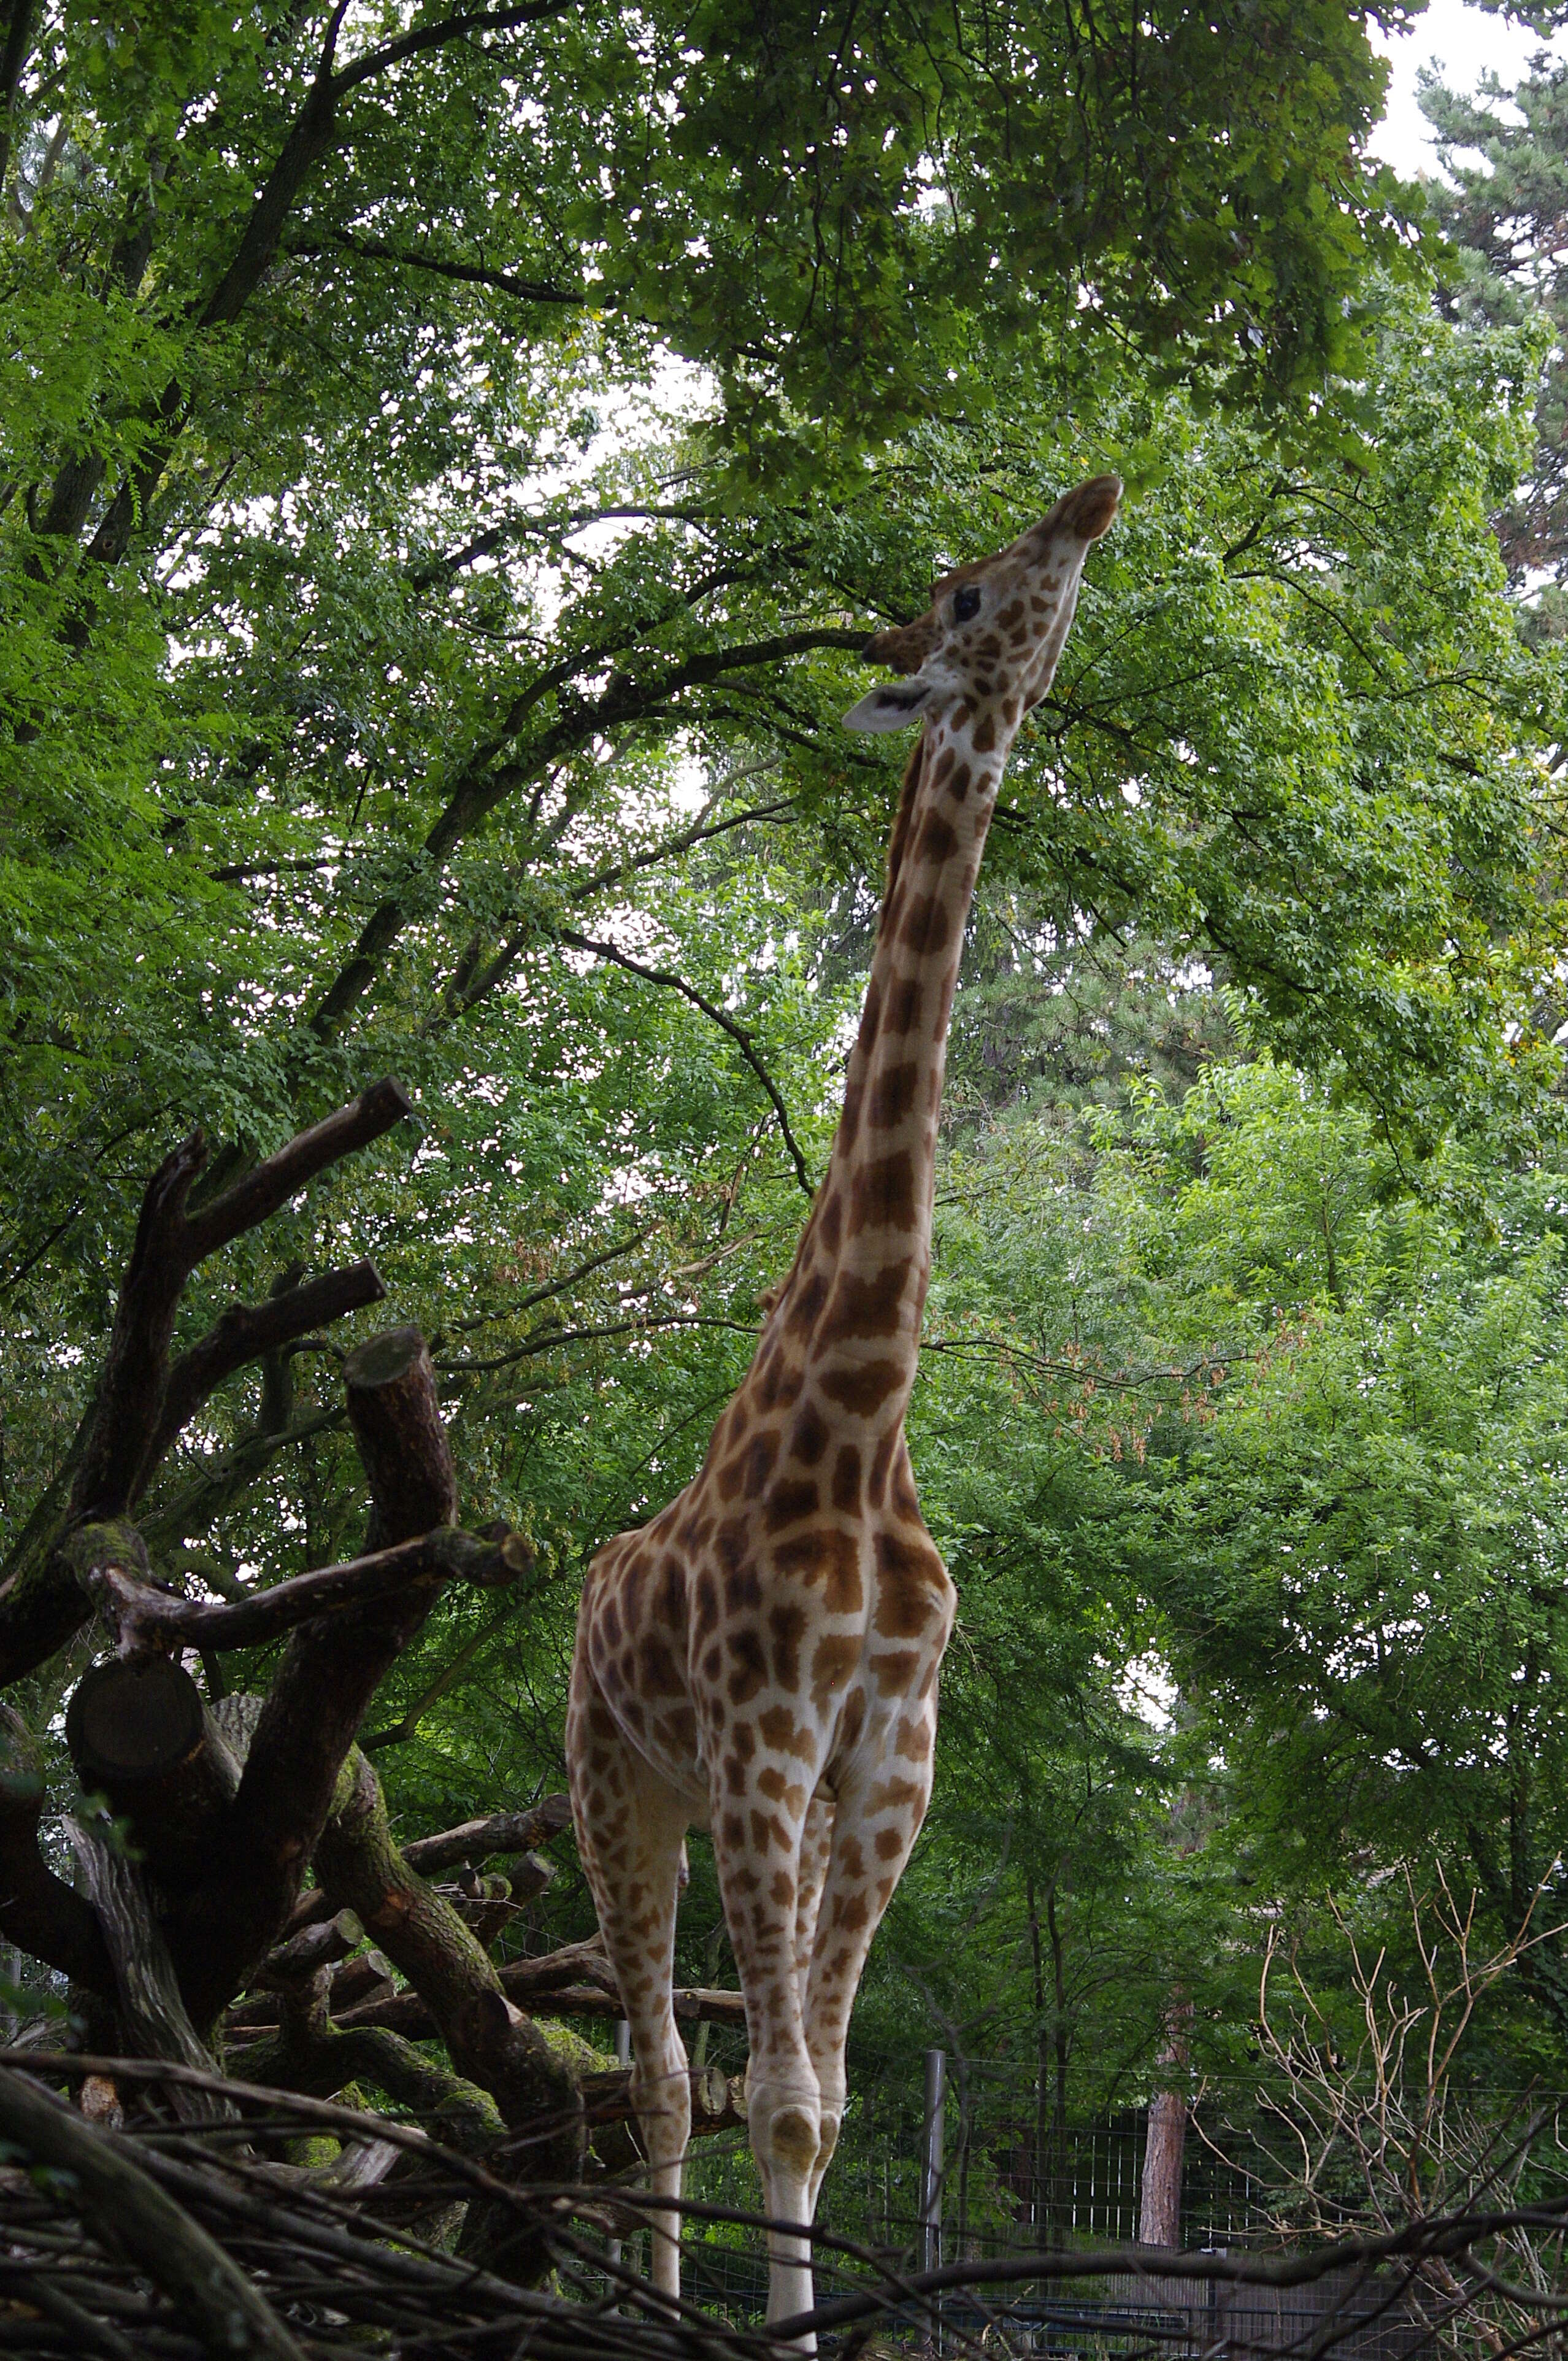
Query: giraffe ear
[[893, 707]]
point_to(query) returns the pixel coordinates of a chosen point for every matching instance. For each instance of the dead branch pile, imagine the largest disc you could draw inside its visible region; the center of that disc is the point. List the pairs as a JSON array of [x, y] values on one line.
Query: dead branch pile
[[262, 1912], [170, 2233]]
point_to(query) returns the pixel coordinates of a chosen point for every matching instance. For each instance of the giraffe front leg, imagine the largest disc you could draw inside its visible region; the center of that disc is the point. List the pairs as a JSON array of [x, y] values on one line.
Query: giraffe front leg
[[816, 1851], [880, 1806], [758, 1852]]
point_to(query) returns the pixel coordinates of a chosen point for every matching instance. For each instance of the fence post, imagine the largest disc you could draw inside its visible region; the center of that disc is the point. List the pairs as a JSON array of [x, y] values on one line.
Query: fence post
[[931, 2160], [622, 2058]]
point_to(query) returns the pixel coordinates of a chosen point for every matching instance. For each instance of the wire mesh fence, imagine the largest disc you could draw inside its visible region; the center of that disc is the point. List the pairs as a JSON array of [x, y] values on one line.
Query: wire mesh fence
[[1014, 2180]]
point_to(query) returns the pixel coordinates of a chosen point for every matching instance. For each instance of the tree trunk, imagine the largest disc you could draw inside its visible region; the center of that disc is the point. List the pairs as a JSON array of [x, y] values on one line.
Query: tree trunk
[[1159, 2200]]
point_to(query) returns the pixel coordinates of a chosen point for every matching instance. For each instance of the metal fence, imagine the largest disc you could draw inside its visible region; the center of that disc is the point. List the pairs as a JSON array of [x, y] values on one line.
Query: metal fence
[[983, 2172]]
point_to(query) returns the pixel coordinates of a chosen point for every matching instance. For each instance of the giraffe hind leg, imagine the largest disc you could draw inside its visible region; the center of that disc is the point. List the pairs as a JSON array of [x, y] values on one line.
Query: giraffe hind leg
[[630, 1827]]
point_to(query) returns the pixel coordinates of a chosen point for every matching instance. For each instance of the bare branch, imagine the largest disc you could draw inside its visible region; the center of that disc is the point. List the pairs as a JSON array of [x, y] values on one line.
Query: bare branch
[[247, 1331], [473, 274], [716, 1015], [150, 1617], [272, 1183], [130, 2214], [478, 1839]]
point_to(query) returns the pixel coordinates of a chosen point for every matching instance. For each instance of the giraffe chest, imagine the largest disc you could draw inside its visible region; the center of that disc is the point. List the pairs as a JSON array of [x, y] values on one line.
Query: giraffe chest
[[725, 1647]]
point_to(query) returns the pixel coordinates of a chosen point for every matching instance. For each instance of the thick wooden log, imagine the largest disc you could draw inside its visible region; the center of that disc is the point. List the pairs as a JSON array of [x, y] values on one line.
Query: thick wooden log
[[38, 1911], [139, 1734], [329, 1674], [395, 1412], [489, 2040]]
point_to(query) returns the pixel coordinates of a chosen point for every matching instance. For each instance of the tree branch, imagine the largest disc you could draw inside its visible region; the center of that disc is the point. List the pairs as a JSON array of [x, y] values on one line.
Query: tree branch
[[505, 282], [716, 1015], [262, 1192], [42, 1601], [118, 1458], [131, 2216], [489, 2042], [149, 1618], [449, 28], [220, 1477], [524, 1981], [480, 788], [503, 1832], [247, 1331]]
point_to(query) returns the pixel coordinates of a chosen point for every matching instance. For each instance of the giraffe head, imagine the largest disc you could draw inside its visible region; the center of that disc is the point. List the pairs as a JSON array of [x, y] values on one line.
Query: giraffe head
[[993, 631]]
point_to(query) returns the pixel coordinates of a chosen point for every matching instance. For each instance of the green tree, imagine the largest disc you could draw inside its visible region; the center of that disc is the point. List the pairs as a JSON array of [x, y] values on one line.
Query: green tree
[[450, 479]]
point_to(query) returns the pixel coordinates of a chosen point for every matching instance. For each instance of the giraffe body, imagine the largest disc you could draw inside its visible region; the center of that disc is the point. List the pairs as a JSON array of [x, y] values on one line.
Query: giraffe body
[[761, 1659]]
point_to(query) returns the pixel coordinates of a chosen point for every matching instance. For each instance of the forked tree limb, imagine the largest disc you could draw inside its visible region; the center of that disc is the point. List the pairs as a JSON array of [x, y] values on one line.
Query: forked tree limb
[[330, 1672], [248, 1332], [133, 1419], [169, 1245], [151, 1618]]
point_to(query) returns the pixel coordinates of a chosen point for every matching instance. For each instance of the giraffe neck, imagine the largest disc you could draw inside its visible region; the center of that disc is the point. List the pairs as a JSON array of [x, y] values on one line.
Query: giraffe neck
[[853, 1305]]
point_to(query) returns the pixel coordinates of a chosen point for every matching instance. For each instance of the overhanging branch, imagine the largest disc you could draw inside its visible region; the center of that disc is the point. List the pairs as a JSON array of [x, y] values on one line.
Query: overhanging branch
[[738, 1034], [484, 785]]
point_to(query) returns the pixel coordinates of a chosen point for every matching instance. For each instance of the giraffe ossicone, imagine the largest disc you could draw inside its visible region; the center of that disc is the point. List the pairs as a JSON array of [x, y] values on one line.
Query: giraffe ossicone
[[761, 1659]]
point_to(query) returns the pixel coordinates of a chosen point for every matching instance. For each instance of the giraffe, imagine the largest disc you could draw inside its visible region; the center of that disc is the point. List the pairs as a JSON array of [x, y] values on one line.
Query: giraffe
[[761, 1659]]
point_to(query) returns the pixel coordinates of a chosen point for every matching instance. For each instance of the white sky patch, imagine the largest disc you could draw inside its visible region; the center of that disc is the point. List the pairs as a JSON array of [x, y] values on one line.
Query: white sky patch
[[1463, 43], [1144, 1688]]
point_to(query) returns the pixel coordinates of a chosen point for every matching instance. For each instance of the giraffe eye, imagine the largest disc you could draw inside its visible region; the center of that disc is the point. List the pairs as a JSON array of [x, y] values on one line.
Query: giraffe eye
[[965, 604]]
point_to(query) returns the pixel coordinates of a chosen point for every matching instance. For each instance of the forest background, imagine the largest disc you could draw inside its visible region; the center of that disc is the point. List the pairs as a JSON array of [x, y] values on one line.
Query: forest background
[[450, 464]]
